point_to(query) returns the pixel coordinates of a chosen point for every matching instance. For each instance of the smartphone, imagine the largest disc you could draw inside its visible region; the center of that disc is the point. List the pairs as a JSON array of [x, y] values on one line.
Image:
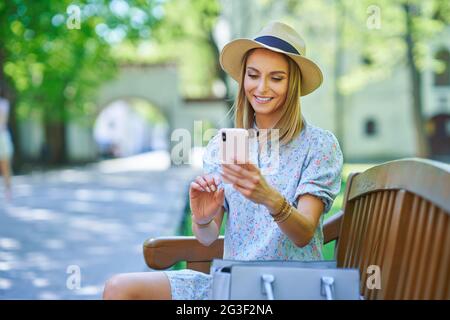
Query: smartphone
[[234, 144]]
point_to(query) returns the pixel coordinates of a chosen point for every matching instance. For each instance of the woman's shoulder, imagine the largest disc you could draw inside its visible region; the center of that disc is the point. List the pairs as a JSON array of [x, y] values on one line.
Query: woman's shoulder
[[313, 135]]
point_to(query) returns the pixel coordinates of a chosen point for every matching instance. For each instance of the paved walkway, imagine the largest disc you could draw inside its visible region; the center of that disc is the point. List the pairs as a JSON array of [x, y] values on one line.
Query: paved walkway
[[86, 224]]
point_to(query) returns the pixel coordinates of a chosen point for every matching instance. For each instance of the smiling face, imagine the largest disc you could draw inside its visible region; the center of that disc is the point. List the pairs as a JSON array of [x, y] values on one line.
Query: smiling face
[[266, 84]]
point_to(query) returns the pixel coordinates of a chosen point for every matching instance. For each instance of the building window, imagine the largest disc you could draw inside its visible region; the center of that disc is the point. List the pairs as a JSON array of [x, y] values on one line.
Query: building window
[[443, 78], [370, 128]]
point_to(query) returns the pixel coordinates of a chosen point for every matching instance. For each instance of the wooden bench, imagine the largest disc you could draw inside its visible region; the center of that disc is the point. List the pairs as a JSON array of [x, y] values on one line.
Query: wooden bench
[[395, 216]]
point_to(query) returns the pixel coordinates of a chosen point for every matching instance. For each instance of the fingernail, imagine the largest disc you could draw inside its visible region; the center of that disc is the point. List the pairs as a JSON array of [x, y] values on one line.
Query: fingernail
[[213, 188], [207, 188]]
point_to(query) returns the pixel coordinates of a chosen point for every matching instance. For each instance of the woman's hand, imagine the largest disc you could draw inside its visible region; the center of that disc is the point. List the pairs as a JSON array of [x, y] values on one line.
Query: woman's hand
[[248, 180], [205, 198]]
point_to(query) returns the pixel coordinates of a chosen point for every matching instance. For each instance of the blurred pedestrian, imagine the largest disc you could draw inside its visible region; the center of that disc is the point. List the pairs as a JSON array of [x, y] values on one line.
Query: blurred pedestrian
[[6, 147]]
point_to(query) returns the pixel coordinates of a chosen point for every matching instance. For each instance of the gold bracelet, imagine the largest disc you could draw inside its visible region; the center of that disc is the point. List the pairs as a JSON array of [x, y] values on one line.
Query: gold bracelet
[[283, 207], [285, 216], [281, 215]]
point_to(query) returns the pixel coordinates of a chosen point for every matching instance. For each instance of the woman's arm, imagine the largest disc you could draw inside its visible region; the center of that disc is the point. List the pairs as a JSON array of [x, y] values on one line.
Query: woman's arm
[[207, 234], [303, 221]]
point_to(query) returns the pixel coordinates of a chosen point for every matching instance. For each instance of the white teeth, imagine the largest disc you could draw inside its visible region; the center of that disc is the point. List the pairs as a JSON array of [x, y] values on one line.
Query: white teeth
[[263, 99]]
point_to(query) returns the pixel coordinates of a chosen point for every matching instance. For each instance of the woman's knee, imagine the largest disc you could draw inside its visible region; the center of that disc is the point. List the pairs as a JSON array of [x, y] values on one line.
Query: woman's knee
[[116, 288], [136, 286]]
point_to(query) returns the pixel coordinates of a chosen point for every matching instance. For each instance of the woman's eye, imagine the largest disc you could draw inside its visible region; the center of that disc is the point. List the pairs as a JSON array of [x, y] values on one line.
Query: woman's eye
[[253, 76], [277, 79]]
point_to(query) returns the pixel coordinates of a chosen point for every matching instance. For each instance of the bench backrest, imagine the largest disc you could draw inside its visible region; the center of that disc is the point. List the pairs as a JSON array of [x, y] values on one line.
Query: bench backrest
[[396, 217]]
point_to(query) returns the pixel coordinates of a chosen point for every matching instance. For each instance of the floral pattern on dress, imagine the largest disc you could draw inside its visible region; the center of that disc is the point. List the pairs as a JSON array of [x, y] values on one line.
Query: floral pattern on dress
[[311, 163]]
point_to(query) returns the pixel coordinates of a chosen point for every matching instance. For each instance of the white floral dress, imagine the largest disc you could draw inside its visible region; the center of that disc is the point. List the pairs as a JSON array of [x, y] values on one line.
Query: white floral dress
[[309, 164]]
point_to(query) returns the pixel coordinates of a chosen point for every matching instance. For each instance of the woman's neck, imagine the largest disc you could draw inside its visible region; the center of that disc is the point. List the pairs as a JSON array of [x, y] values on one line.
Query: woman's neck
[[266, 121]]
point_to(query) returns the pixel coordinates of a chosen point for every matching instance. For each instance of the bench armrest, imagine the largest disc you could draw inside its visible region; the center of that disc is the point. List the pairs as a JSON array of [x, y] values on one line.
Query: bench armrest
[[163, 252], [332, 226]]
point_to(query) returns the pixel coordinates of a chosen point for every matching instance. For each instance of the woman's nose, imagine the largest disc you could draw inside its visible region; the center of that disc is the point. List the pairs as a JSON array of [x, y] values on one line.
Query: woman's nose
[[262, 86]]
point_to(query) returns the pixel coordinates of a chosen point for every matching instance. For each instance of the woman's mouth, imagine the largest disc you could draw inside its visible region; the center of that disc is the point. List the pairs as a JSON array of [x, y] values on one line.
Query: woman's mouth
[[262, 100]]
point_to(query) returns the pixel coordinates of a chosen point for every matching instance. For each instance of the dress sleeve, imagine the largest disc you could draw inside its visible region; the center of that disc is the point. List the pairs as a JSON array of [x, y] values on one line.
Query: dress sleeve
[[211, 163], [321, 174]]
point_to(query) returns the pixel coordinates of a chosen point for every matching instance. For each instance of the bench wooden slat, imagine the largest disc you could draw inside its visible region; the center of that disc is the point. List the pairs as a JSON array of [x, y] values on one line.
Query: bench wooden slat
[[443, 275], [392, 222]]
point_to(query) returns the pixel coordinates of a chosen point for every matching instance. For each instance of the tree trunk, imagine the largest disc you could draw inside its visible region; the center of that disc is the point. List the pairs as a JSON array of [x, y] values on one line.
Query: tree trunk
[[416, 84], [338, 71], [54, 152]]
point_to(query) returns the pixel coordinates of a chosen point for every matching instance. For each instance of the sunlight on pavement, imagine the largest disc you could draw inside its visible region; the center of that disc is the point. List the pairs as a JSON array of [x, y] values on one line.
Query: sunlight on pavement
[[47, 295], [5, 284], [90, 290], [40, 282], [54, 244], [23, 190], [9, 244], [40, 261], [97, 226], [31, 214], [150, 161], [86, 218], [96, 195]]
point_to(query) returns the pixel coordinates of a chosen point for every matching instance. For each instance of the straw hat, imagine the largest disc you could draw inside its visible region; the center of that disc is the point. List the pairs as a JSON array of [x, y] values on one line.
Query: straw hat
[[277, 37]]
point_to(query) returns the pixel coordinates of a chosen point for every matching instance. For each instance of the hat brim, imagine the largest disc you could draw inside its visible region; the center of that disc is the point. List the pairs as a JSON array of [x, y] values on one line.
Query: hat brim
[[234, 51]]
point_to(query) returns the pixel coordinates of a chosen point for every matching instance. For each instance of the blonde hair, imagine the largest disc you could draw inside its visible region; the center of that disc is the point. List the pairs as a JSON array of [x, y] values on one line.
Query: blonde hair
[[290, 123]]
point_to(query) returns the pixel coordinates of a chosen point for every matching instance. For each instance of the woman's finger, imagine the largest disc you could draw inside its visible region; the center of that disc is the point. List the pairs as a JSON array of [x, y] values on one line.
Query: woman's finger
[[211, 184], [201, 181], [246, 181], [196, 186], [236, 180], [219, 196], [238, 170], [216, 181]]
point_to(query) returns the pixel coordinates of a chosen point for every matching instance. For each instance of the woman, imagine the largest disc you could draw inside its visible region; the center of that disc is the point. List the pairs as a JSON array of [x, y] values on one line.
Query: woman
[[270, 217], [6, 147]]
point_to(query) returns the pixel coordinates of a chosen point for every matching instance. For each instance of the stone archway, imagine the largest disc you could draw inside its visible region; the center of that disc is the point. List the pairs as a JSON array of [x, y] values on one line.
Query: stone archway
[[155, 83], [130, 126]]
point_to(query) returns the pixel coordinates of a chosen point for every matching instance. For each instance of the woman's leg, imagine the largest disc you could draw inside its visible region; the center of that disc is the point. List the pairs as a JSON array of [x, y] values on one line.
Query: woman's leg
[[6, 172], [138, 286]]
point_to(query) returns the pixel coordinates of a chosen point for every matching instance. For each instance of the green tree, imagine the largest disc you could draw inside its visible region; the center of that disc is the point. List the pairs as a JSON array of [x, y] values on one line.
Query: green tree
[[51, 66], [51, 62], [401, 39]]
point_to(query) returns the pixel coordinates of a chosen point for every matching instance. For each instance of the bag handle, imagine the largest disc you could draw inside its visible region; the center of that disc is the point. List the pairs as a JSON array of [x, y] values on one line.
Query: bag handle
[[326, 286], [267, 280]]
